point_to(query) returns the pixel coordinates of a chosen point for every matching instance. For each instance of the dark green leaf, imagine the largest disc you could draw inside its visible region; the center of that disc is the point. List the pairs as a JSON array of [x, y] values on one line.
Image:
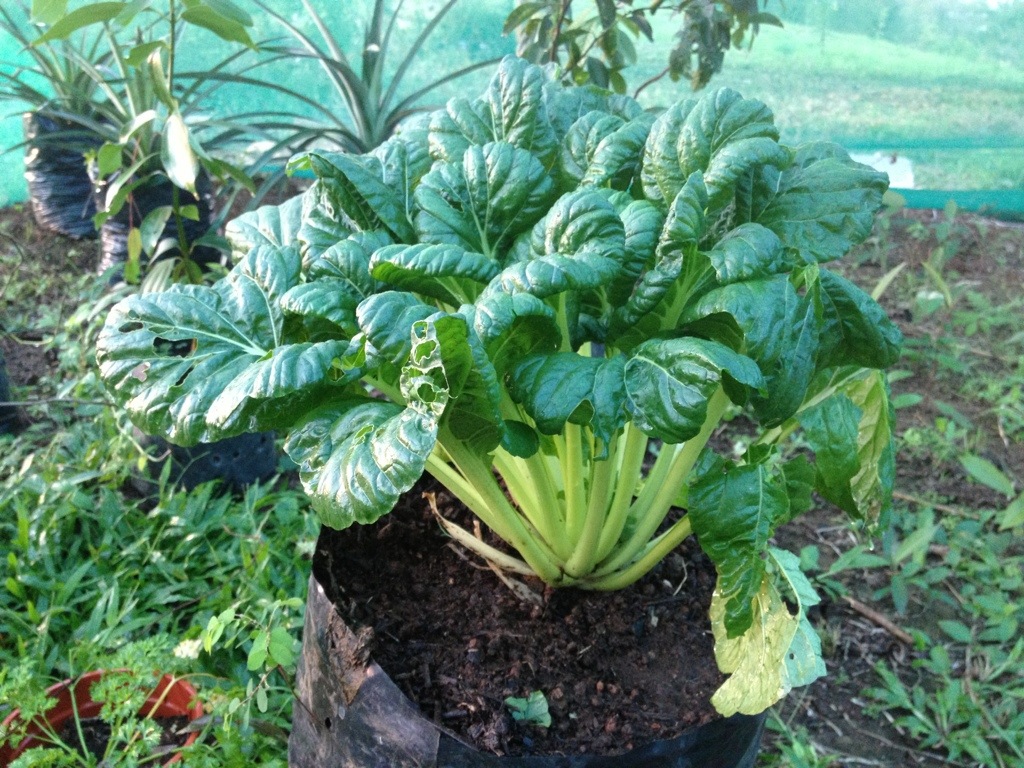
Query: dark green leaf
[[734, 511], [669, 383], [856, 331], [821, 206], [167, 357], [276, 225], [567, 387], [387, 319], [444, 272], [355, 185], [482, 204]]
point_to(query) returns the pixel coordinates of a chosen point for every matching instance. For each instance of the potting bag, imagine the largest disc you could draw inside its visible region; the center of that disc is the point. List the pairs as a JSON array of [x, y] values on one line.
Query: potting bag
[[60, 190]]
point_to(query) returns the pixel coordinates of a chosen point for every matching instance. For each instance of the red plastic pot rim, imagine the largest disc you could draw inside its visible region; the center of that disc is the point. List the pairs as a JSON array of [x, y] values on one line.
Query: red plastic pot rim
[[171, 697]]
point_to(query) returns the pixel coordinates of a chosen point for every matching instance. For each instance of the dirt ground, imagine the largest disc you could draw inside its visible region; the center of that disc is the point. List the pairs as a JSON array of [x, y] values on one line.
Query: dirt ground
[[989, 259]]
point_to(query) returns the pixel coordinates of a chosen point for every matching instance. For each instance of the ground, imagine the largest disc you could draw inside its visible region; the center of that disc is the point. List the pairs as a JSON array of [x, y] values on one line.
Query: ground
[[936, 602]]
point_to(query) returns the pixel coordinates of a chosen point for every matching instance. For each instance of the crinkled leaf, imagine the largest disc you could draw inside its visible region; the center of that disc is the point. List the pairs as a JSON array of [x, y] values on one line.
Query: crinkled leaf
[[276, 225], [578, 147], [355, 186], [642, 223], [662, 174], [552, 274], [676, 250], [168, 356], [482, 204], [518, 112], [581, 224], [822, 205], [603, 149], [735, 161], [462, 123], [720, 119], [856, 330], [322, 225], [404, 162], [328, 298], [474, 409], [567, 387], [747, 252], [669, 383], [779, 329], [357, 456], [387, 319], [734, 511], [288, 371], [444, 272], [567, 105], [349, 260], [513, 327]]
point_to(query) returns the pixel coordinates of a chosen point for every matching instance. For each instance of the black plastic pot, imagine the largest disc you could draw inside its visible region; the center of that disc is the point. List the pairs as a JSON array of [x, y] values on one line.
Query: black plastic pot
[[143, 200], [351, 714], [8, 413], [237, 462], [60, 190]]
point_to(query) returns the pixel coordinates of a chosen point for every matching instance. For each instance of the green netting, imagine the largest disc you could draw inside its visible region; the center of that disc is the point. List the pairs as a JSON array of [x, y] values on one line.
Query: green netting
[[933, 88]]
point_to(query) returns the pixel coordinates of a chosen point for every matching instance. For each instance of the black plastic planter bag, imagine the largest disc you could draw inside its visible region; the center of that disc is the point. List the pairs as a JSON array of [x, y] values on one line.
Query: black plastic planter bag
[[146, 198], [237, 461], [60, 190], [8, 413], [351, 715]]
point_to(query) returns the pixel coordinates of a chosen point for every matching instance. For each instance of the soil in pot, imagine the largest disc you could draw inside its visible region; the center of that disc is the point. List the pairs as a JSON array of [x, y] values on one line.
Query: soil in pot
[[618, 669], [96, 733]]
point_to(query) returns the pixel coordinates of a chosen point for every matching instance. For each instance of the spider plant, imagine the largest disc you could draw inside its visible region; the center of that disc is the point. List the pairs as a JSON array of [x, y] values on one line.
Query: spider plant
[[371, 96], [54, 80]]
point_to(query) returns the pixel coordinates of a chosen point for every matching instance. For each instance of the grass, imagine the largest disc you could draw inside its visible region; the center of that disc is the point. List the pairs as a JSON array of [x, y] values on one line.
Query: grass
[[91, 566], [949, 572]]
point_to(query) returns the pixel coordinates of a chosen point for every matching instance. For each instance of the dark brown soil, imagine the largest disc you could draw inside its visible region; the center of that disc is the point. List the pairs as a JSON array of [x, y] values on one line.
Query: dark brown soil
[[96, 733], [618, 669]]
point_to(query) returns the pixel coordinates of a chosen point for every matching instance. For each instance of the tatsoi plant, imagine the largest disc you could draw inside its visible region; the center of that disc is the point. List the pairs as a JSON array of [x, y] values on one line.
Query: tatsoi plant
[[524, 294]]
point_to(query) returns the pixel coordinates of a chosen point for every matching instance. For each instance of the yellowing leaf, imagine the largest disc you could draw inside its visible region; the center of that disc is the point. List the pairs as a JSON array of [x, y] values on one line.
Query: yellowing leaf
[[756, 660], [780, 650]]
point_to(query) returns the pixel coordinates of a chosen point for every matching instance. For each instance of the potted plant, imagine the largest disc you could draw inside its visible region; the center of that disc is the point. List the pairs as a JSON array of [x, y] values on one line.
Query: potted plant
[[57, 92], [366, 102], [519, 296], [131, 715], [152, 173]]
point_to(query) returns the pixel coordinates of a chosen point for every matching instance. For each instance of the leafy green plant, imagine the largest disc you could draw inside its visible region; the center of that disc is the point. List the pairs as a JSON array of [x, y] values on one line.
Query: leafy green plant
[[595, 46], [55, 82], [368, 90], [537, 285], [142, 118], [109, 718], [532, 710]]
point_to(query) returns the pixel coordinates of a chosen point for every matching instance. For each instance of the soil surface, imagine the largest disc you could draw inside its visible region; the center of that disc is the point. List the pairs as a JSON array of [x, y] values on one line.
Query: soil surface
[[96, 733], [618, 669]]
